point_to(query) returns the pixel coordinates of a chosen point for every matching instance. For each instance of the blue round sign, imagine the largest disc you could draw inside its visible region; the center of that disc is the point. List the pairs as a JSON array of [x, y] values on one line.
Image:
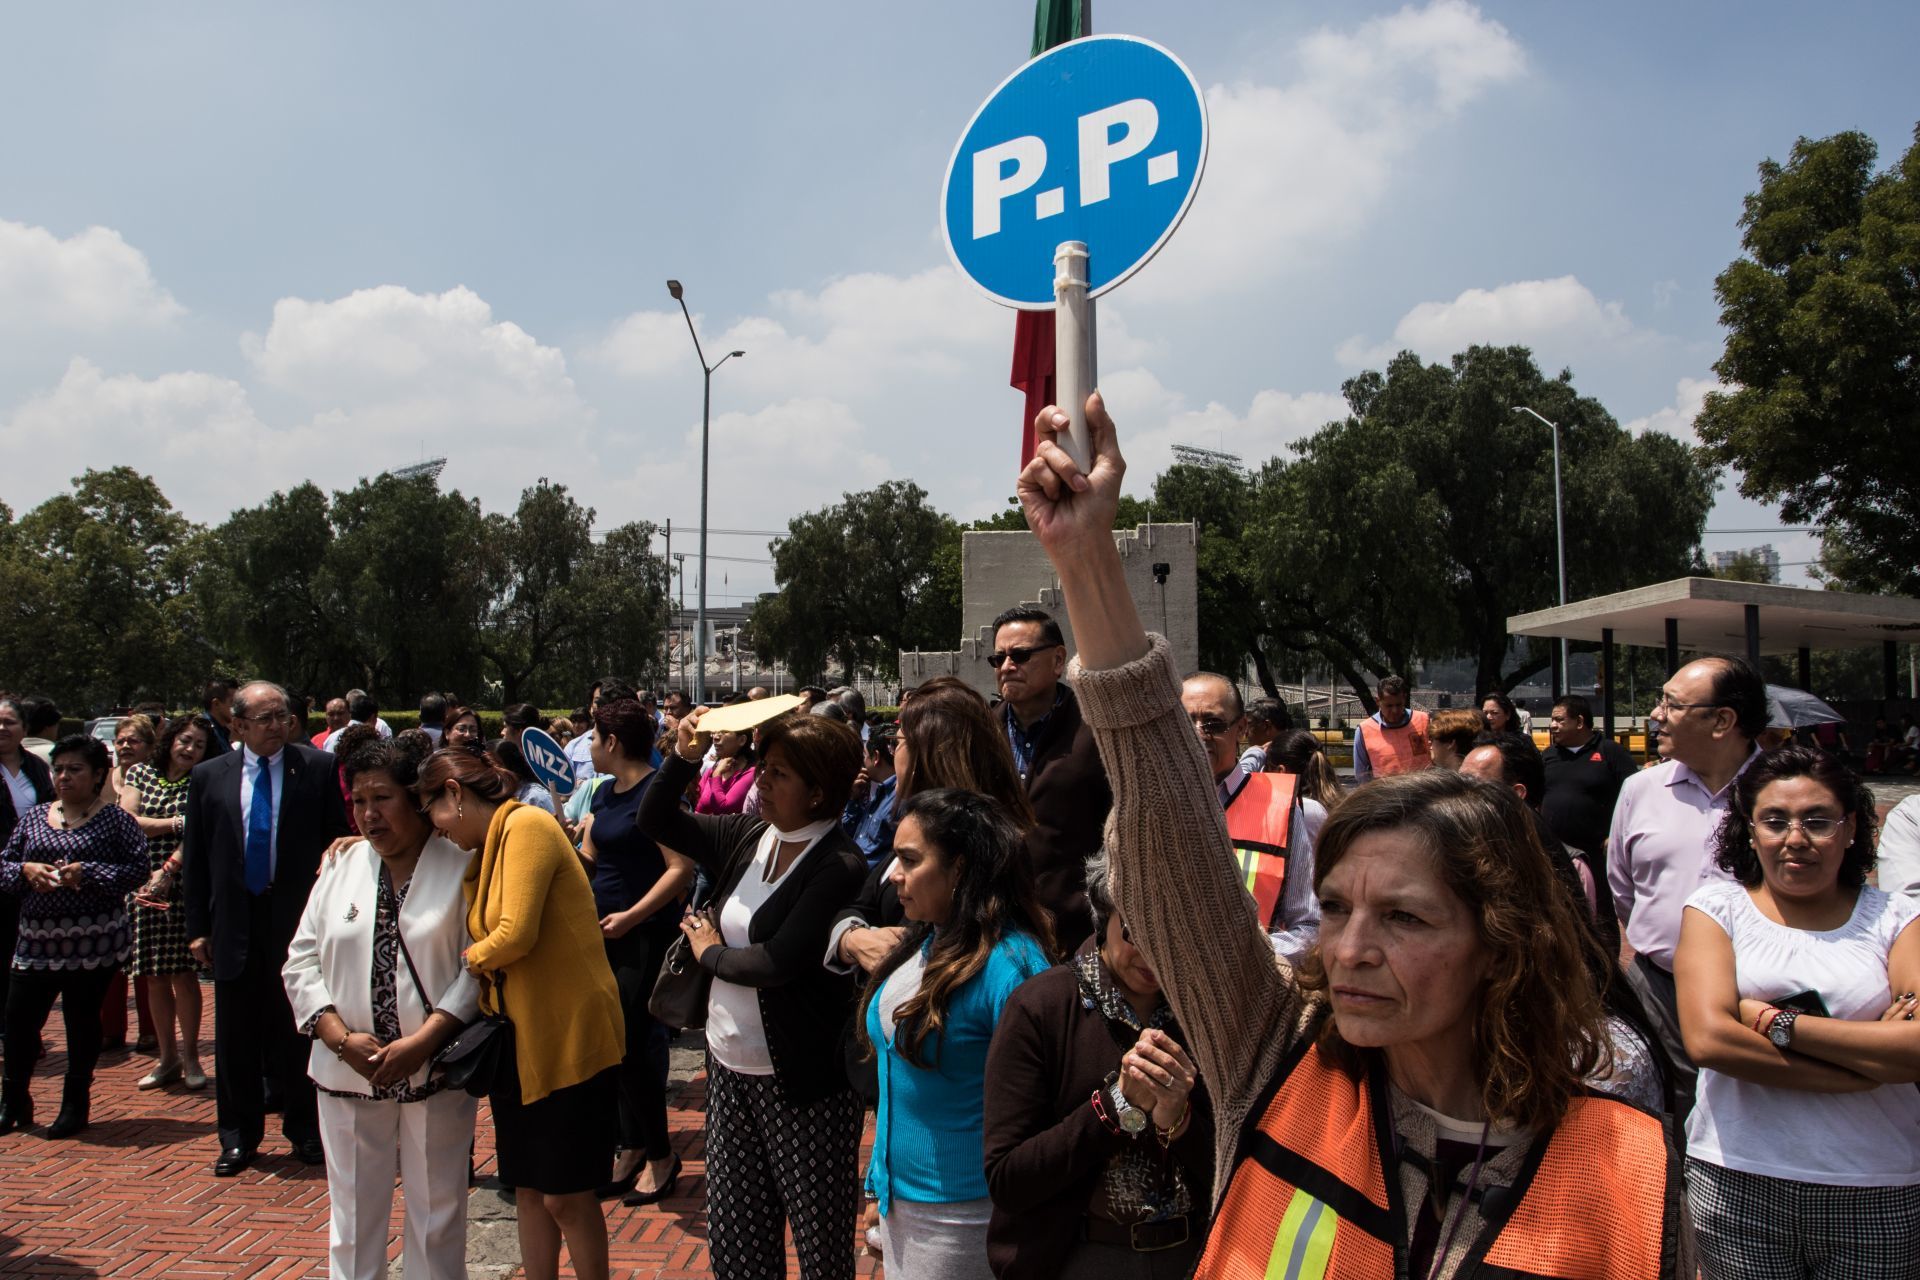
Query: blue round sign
[[1100, 140], [548, 762]]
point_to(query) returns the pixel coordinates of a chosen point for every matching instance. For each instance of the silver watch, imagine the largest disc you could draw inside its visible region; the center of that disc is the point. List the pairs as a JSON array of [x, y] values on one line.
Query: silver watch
[[1131, 1119], [1780, 1030]]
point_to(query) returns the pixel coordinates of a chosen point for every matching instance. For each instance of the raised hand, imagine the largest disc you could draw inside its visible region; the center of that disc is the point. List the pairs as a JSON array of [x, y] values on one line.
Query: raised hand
[[1065, 507]]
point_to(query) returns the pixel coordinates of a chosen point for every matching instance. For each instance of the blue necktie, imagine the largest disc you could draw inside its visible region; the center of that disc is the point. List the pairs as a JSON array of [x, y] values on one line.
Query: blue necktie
[[260, 833]]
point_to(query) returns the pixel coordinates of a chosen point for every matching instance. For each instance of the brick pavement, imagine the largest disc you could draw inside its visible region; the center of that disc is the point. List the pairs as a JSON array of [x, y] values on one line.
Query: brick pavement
[[135, 1195]]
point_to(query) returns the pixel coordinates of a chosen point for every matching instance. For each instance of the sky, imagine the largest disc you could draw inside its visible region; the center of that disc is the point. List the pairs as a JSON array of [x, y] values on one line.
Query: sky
[[242, 247]]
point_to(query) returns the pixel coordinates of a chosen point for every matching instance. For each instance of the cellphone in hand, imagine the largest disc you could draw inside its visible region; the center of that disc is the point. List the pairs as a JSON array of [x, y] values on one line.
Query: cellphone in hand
[[1807, 1001]]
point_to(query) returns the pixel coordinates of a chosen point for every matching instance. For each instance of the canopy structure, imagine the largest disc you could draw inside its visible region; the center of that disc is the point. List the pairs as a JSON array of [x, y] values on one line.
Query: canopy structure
[[1715, 615]]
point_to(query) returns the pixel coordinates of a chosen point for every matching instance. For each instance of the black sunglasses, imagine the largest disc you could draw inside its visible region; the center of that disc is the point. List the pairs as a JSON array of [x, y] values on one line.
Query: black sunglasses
[[1019, 657]]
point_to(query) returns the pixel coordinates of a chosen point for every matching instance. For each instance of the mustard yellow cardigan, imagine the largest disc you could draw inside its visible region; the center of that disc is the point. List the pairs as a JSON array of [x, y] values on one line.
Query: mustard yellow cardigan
[[531, 916]]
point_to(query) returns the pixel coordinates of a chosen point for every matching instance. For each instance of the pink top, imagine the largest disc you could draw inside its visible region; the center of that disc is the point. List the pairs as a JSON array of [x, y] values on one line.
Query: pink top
[[1660, 851], [724, 796]]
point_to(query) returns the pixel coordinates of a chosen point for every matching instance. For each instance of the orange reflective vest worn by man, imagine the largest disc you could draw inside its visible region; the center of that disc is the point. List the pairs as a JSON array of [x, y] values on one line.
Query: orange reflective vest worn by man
[[1392, 740]]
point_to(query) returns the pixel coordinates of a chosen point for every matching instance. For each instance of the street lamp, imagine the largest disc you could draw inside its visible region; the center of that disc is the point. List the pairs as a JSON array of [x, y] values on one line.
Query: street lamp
[[706, 405], [1559, 536]]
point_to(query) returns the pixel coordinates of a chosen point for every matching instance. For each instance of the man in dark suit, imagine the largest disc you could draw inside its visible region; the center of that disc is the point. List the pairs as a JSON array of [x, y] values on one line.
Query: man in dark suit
[[257, 822]]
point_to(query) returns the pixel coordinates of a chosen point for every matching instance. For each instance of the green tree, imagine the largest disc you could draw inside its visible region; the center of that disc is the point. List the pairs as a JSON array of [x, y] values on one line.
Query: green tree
[[1823, 336], [404, 556], [89, 575], [1745, 566], [859, 581], [269, 595], [1416, 526]]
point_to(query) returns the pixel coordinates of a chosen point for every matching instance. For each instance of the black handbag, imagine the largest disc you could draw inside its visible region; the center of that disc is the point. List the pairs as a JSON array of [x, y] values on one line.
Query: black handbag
[[472, 1059], [679, 999]]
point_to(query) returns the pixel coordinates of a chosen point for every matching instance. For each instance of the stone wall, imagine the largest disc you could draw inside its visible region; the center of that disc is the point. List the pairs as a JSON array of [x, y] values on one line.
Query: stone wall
[[999, 570]]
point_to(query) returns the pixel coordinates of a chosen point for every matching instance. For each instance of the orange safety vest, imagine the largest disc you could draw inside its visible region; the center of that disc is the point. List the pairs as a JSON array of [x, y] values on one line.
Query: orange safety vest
[[1402, 750], [1259, 819], [1313, 1195]]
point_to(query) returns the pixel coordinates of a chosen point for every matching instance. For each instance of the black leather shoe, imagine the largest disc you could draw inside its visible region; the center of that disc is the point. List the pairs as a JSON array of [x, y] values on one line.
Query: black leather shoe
[[231, 1162], [71, 1120], [15, 1114], [312, 1151], [660, 1193]]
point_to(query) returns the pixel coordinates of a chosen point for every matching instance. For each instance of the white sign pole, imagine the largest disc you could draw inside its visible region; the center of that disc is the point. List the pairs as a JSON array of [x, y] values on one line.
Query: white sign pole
[[1074, 362]]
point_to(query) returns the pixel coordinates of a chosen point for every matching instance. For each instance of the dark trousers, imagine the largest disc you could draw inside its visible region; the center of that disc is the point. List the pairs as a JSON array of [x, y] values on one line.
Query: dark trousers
[[30, 997], [254, 1039], [635, 959], [9, 939], [1660, 998]]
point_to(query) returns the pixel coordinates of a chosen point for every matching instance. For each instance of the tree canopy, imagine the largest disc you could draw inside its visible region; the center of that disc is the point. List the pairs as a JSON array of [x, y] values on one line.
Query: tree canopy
[[1822, 361]]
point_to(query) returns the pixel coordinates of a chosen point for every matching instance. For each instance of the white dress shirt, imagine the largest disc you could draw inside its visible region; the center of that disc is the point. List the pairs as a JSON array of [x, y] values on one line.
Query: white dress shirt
[[22, 787], [250, 770]]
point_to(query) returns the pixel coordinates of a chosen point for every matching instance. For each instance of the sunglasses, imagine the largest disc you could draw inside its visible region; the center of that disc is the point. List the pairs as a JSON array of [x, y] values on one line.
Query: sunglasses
[[1018, 657]]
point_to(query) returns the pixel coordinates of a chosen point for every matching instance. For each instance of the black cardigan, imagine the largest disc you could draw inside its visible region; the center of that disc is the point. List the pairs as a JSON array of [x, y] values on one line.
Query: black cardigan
[[802, 1006]]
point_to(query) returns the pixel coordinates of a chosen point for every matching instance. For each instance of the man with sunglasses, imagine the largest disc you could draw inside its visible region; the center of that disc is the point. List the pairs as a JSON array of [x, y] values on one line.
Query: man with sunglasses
[[1659, 846], [1054, 752]]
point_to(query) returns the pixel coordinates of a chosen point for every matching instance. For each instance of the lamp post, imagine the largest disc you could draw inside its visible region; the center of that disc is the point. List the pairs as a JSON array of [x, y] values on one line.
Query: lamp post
[[1559, 535], [706, 404]]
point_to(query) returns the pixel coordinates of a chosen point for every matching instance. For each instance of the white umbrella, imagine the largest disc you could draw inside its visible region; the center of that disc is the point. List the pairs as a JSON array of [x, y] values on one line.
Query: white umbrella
[[1789, 708]]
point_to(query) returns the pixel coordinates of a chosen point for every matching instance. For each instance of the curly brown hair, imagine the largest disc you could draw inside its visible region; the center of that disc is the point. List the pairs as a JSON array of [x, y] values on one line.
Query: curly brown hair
[[1541, 1030]]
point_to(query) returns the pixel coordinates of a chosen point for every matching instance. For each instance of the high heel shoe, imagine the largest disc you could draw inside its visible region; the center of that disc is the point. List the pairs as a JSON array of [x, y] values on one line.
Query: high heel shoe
[[76, 1104], [620, 1186], [660, 1192]]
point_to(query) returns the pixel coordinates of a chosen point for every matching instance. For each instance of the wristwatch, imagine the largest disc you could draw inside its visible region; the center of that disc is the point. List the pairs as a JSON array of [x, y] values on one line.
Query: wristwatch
[[1780, 1030], [1131, 1119]]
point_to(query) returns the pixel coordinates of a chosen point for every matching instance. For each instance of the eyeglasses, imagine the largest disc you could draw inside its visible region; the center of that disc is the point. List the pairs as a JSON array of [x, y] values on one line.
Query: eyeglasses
[[266, 718], [1812, 828], [1665, 702], [1212, 726], [1019, 657]]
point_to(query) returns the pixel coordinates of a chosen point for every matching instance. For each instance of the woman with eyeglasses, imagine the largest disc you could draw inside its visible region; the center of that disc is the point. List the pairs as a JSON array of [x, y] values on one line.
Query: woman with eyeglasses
[[156, 796], [1797, 985], [463, 729]]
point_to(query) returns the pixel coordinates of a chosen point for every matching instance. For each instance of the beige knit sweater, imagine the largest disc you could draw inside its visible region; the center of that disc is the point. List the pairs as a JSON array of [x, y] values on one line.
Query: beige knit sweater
[[1178, 888]]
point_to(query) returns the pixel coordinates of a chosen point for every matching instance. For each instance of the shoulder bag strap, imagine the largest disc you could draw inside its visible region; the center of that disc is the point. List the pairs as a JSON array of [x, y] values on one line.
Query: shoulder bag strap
[[386, 886]]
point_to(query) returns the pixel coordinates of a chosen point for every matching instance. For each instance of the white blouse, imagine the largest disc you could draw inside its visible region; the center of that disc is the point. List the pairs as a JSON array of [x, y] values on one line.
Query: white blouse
[[1869, 1139]]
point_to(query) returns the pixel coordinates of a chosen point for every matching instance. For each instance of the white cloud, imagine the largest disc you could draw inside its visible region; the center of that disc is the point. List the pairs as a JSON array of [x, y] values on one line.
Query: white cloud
[[1676, 419], [1561, 314], [196, 433], [91, 282], [1294, 166], [1157, 418]]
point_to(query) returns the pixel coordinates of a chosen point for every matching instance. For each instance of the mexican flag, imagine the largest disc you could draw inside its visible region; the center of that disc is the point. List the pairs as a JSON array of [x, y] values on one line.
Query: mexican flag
[[1054, 22]]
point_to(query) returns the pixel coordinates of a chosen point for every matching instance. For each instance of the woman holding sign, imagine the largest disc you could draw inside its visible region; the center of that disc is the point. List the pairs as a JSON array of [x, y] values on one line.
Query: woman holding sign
[[1408, 1100]]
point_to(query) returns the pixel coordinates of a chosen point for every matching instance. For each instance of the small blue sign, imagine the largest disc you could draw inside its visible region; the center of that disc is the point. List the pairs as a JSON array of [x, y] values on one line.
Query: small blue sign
[[548, 762], [1101, 140]]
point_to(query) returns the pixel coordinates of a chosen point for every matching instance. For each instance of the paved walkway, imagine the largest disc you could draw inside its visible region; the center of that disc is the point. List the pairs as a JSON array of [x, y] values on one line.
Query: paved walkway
[[135, 1195]]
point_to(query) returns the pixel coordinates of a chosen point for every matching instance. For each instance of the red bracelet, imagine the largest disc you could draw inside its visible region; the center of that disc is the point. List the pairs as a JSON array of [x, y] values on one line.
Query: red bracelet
[[1100, 1109], [1765, 1020]]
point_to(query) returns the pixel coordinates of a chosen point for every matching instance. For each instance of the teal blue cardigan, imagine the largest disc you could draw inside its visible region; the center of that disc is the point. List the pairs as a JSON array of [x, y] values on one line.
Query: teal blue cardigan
[[929, 1135]]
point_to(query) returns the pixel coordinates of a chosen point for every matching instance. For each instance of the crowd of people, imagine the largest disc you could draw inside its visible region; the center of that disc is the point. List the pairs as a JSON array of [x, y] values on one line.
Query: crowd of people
[[1130, 983]]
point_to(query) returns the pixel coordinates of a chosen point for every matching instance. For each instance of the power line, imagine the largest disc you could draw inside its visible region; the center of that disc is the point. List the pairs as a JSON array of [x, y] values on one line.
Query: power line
[[1785, 528]]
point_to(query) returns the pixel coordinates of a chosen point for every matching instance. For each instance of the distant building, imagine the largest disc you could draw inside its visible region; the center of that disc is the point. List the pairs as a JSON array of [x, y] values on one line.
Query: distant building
[[1764, 554], [1000, 569]]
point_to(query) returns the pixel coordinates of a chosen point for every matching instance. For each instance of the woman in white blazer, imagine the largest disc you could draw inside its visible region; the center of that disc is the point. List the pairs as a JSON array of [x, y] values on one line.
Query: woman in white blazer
[[375, 977]]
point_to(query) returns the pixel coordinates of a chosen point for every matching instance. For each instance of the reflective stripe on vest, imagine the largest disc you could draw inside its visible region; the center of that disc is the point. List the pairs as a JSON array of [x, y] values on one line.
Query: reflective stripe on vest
[[1401, 750], [1308, 1199], [1258, 822]]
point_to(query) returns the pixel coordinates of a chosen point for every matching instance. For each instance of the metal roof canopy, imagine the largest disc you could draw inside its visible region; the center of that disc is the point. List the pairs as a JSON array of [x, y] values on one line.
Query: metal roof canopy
[[1711, 615]]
